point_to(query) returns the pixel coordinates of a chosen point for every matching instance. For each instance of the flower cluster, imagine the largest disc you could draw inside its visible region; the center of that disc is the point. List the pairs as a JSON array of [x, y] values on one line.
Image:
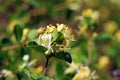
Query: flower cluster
[[53, 38], [82, 72], [85, 74]]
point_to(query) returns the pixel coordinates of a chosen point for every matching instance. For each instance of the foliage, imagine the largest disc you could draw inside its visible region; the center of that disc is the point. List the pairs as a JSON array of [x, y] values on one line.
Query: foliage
[[36, 45]]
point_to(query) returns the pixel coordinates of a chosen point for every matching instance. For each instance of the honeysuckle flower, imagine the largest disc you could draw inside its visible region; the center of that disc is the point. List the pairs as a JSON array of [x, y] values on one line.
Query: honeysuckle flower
[[74, 5], [39, 69], [91, 14], [26, 58], [50, 29], [73, 68], [45, 40], [110, 27], [103, 62], [84, 71], [117, 35], [25, 33], [84, 74], [64, 30], [12, 24], [40, 30], [32, 63], [27, 64], [94, 34], [7, 73]]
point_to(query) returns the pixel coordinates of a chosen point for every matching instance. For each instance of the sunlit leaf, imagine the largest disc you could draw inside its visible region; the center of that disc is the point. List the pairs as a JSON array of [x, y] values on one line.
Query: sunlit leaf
[[32, 34], [36, 76], [58, 37]]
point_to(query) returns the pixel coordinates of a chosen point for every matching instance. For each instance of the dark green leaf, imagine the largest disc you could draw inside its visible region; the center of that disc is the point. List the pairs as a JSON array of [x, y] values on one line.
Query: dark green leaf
[[24, 50], [5, 42], [58, 37], [79, 41], [37, 47], [63, 55], [103, 38], [18, 31], [68, 14]]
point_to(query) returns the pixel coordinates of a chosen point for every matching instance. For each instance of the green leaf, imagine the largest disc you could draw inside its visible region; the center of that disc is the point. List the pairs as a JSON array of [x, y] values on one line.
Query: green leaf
[[37, 47], [78, 42], [6, 42], [63, 55], [25, 50], [36, 76], [35, 3], [45, 78], [103, 38], [59, 72], [33, 34], [58, 37], [51, 10], [2, 8], [18, 31]]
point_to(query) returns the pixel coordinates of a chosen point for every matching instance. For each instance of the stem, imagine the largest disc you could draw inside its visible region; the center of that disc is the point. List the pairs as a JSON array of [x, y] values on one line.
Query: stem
[[46, 65], [13, 46]]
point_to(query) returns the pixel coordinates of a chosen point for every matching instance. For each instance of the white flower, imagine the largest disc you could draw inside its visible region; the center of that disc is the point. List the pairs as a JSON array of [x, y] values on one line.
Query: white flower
[[45, 40], [84, 71], [26, 58], [7, 72], [72, 68], [95, 15], [83, 74]]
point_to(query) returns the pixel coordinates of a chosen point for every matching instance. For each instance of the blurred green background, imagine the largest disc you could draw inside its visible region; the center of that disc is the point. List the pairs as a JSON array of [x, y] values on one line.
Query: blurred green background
[[94, 25]]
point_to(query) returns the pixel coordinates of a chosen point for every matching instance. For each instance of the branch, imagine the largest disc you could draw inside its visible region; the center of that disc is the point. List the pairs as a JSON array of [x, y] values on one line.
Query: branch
[[13, 46], [46, 65]]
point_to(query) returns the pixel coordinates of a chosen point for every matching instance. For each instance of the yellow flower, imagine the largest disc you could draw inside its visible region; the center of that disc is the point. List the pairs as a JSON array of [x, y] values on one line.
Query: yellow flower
[[50, 29], [110, 27], [72, 68], [92, 3], [12, 24], [87, 13], [83, 30], [90, 13], [39, 69], [117, 35], [40, 30], [64, 30], [83, 74], [25, 33], [74, 4], [94, 34], [61, 27], [103, 62]]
